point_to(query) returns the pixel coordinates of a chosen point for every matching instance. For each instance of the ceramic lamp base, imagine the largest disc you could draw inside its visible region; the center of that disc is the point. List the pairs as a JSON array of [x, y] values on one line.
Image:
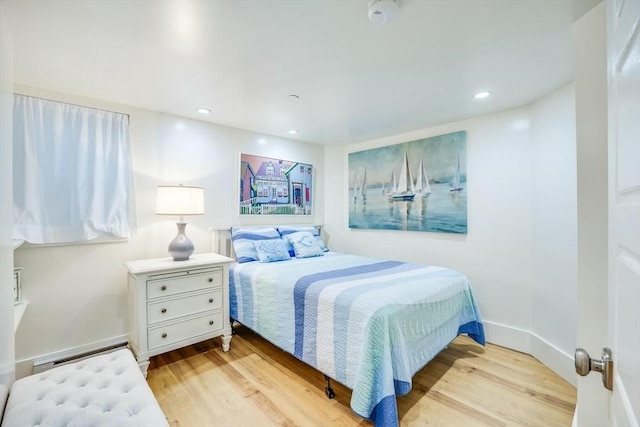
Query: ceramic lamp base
[[181, 247]]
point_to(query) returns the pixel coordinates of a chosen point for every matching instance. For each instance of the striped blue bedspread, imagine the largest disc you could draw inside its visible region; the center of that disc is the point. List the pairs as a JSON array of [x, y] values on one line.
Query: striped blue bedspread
[[367, 323]]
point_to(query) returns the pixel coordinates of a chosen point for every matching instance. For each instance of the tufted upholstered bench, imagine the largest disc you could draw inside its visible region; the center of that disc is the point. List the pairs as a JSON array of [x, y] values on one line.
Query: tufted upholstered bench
[[102, 391]]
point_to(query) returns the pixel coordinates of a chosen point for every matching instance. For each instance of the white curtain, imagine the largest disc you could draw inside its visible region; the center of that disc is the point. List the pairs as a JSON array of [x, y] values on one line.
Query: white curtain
[[72, 175]]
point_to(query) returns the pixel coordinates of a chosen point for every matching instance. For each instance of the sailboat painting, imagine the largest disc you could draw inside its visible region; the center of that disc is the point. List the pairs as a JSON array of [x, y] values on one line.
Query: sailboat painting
[[418, 185], [405, 189], [455, 181], [422, 188], [359, 189]]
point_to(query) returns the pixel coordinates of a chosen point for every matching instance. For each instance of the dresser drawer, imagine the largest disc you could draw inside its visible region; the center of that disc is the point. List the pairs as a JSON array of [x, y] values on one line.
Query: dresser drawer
[[172, 308], [179, 331], [189, 282]]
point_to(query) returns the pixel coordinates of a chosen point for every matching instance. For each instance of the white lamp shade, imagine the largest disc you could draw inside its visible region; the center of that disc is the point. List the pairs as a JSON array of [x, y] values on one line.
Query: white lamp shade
[[179, 200]]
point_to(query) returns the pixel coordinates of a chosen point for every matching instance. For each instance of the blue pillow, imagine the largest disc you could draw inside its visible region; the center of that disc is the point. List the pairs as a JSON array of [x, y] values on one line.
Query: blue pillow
[[271, 250], [285, 230], [243, 238], [305, 244]]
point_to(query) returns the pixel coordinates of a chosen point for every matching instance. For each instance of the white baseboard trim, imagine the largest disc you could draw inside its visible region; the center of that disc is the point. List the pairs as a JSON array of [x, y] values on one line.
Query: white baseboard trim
[[506, 336], [24, 367], [528, 342]]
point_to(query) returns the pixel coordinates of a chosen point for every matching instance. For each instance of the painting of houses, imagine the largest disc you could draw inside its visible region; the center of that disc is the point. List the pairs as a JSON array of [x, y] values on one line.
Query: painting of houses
[[418, 185], [274, 187]]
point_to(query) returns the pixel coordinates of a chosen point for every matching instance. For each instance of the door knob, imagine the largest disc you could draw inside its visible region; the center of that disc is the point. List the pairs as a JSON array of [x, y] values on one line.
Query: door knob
[[585, 364]]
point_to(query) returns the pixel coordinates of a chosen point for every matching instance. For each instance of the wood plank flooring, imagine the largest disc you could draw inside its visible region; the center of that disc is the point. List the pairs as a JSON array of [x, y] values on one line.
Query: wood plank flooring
[[257, 384]]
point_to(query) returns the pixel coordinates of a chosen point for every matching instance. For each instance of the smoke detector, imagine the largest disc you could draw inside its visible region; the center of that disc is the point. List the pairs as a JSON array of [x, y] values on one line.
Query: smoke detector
[[382, 11]]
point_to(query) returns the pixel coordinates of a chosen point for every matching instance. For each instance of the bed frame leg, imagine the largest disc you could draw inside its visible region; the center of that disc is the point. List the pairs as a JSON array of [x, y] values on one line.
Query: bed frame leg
[[328, 390]]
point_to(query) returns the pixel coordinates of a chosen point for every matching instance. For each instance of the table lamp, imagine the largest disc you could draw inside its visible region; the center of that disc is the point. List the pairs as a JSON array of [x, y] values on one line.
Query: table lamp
[[180, 200]]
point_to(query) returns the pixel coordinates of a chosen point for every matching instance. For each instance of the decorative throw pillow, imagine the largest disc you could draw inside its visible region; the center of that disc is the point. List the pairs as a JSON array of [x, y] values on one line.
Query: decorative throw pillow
[[243, 238], [304, 244], [285, 230], [271, 250]]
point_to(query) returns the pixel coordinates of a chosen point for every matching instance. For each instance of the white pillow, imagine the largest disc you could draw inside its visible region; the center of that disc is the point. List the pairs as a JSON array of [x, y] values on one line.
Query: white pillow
[[243, 238], [285, 230], [271, 250], [305, 244]]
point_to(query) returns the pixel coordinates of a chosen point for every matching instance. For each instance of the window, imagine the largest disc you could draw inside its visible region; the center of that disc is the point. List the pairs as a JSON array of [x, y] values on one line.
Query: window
[[72, 174]]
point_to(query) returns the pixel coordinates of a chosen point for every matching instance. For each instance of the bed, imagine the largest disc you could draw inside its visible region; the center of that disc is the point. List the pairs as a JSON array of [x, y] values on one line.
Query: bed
[[367, 323]]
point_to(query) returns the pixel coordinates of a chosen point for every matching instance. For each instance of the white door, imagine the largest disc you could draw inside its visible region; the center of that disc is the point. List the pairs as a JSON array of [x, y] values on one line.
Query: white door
[[609, 292], [623, 28]]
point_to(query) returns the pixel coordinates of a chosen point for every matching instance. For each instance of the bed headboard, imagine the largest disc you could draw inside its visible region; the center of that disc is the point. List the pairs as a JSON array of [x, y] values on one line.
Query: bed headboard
[[221, 242], [221, 237]]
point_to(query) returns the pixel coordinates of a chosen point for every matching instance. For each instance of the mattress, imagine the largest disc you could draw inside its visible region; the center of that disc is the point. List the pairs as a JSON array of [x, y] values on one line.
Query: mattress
[[369, 324]]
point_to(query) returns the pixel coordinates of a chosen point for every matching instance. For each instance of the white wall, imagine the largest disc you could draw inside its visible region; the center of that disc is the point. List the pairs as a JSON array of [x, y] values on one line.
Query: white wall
[[496, 252], [512, 157], [77, 293], [554, 291], [7, 369]]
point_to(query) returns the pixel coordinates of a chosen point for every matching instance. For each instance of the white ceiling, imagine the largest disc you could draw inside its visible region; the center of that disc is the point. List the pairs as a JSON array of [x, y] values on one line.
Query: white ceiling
[[242, 59]]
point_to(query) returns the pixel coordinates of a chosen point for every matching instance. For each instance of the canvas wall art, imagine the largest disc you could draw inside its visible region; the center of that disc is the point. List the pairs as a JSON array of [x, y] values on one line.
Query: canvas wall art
[[271, 186], [418, 185]]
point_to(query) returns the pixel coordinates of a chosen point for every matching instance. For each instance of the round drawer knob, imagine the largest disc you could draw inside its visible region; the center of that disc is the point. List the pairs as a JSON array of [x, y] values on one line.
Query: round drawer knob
[[211, 322], [163, 288], [210, 299], [164, 310], [210, 279], [164, 335]]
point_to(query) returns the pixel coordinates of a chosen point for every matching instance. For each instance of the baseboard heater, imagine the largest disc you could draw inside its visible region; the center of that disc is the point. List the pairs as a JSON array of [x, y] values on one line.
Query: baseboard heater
[[41, 366]]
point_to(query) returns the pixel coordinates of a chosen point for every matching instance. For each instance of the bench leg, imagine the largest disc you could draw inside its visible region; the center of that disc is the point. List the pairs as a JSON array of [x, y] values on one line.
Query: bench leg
[[144, 366], [226, 342]]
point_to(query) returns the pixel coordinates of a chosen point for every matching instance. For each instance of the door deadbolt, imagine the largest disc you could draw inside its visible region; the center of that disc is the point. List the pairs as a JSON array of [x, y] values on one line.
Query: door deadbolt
[[585, 364]]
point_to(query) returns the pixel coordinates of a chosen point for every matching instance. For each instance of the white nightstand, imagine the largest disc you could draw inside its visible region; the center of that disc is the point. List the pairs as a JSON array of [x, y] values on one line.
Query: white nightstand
[[172, 304]]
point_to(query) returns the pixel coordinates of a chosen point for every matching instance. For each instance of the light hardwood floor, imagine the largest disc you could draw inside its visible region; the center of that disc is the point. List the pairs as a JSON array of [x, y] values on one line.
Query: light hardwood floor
[[257, 384]]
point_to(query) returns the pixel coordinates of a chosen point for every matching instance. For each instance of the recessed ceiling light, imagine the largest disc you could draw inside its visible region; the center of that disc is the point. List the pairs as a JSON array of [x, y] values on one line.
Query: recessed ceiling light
[[293, 131], [204, 110], [482, 95]]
